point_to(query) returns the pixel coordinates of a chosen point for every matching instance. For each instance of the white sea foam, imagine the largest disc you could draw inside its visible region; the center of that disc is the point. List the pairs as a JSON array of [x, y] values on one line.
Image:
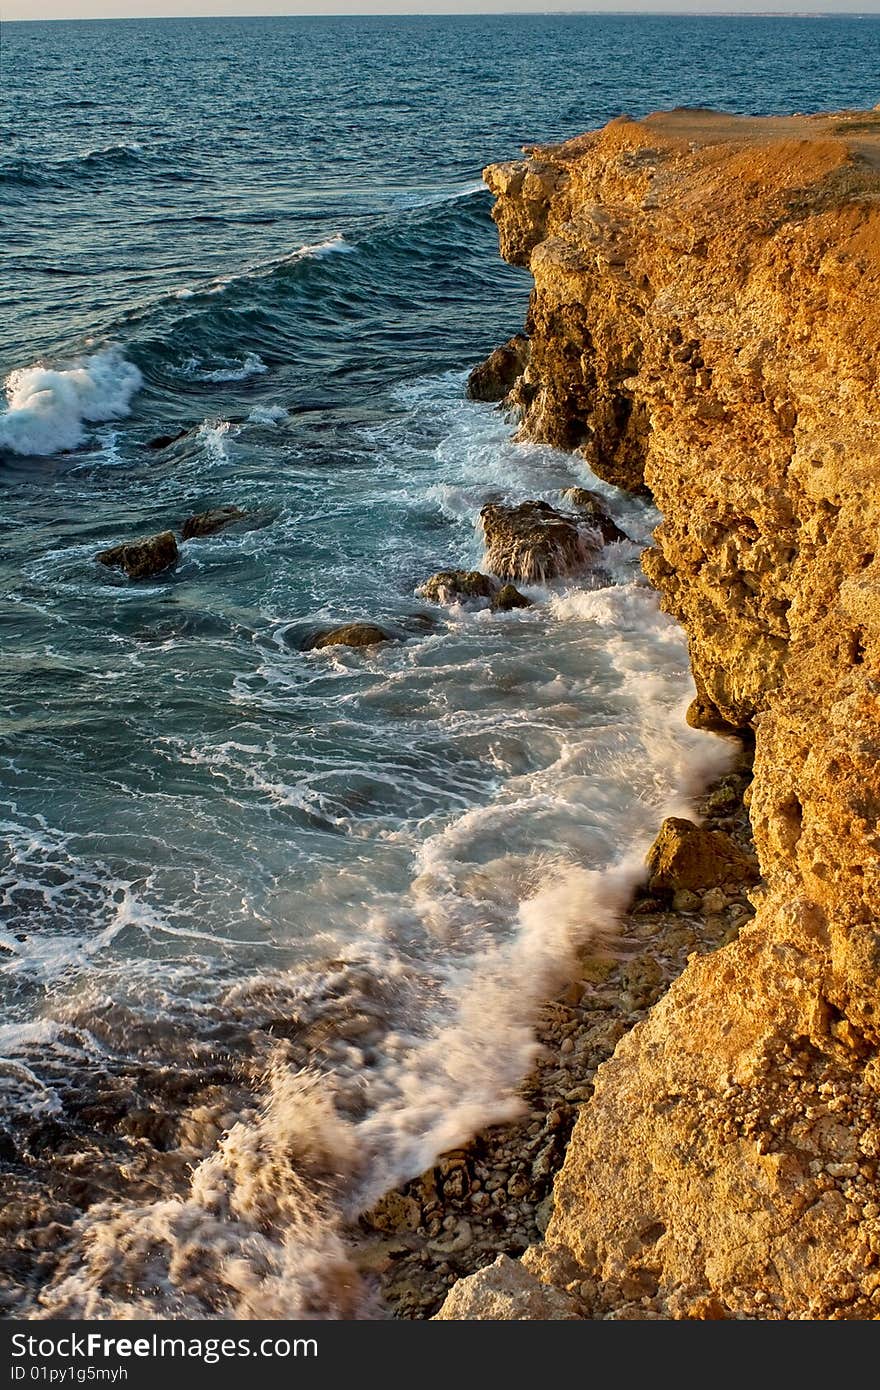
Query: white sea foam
[[268, 414], [230, 369], [49, 408], [433, 198]]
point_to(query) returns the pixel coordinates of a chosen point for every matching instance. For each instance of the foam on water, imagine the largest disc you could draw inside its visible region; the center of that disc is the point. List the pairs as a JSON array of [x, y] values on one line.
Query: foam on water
[[49, 408], [238, 369]]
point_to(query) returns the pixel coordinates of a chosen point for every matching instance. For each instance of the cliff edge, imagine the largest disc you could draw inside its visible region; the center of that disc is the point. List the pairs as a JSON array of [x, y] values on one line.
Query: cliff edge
[[705, 324]]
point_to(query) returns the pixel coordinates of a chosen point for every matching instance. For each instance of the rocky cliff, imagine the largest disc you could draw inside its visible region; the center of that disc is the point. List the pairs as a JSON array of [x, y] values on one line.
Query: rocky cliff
[[705, 324]]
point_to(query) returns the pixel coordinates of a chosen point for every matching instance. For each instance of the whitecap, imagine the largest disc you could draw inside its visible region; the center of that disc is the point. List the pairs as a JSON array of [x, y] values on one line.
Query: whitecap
[[49, 408]]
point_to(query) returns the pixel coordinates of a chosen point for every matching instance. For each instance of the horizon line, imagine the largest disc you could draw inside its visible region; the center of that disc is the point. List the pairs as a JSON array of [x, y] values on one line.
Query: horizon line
[[679, 13]]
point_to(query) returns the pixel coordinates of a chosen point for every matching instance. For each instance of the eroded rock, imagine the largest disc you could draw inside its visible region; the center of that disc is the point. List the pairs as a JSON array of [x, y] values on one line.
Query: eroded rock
[[143, 559], [685, 857], [508, 598], [506, 1291], [532, 542], [350, 635], [458, 586], [492, 379], [704, 320], [592, 507], [207, 523]]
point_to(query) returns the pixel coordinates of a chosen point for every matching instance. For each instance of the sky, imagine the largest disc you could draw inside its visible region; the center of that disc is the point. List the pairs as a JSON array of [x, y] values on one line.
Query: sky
[[135, 9]]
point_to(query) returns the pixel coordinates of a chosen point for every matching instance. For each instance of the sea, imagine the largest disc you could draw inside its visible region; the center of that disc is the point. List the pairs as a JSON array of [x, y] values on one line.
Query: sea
[[276, 924]]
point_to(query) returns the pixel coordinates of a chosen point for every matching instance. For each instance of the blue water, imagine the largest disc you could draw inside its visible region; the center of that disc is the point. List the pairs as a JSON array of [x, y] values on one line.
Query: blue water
[[272, 233]]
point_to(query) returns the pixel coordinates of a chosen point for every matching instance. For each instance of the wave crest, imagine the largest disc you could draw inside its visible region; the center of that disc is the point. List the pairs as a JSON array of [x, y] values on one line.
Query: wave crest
[[48, 408]]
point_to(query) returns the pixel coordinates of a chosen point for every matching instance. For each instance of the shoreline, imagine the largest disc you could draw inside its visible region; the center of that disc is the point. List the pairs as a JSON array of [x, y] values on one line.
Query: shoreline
[[493, 1196]]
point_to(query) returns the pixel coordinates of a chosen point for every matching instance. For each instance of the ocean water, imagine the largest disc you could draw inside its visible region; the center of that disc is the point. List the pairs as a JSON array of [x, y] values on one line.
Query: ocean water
[[275, 925]]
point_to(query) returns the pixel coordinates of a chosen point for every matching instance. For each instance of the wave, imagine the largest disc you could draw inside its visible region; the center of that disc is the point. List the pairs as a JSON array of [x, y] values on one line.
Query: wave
[[333, 245], [58, 173], [49, 408], [237, 369]]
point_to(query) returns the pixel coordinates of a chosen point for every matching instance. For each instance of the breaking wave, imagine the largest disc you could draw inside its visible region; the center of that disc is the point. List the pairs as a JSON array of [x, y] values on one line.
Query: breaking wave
[[49, 408]]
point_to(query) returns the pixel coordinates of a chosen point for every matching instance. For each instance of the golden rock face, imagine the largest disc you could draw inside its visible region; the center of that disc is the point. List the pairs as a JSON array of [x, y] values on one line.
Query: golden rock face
[[706, 322]]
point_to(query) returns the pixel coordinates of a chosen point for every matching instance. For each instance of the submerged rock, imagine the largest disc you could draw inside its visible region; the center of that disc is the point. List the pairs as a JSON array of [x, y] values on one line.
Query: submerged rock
[[532, 542], [351, 635], [143, 559], [592, 507], [509, 597], [685, 856], [162, 441], [492, 379], [458, 586], [207, 523]]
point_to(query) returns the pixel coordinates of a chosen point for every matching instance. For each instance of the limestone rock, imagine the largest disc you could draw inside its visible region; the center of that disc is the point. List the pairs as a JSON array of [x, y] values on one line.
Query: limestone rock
[[351, 635], [491, 380], [395, 1212], [532, 542], [592, 507], [506, 1292], [143, 559], [685, 857], [509, 597], [207, 523], [458, 586], [704, 323]]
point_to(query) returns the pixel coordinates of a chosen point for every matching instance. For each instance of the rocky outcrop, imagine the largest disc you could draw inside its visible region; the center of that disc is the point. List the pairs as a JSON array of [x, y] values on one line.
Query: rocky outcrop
[[704, 324], [687, 856], [592, 508], [491, 380], [350, 635], [143, 559], [458, 586], [208, 523], [509, 598], [533, 542]]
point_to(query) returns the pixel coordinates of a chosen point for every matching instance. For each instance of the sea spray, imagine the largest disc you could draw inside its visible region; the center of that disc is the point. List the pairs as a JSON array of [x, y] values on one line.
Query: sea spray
[[48, 408]]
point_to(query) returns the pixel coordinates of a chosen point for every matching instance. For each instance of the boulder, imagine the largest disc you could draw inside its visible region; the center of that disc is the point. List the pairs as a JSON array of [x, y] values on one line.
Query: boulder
[[206, 523], [506, 1292], [458, 586], [351, 635], [143, 559], [492, 379], [684, 856], [509, 597], [592, 508], [532, 542]]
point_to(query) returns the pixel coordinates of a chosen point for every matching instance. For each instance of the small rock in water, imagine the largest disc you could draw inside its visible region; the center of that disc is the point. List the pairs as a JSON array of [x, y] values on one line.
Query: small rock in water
[[457, 586], [532, 542], [509, 597], [143, 559], [592, 508], [492, 379], [206, 523], [351, 635]]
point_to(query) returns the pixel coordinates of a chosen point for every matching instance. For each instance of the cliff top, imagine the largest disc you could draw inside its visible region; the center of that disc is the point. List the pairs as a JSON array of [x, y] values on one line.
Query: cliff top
[[688, 129]]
